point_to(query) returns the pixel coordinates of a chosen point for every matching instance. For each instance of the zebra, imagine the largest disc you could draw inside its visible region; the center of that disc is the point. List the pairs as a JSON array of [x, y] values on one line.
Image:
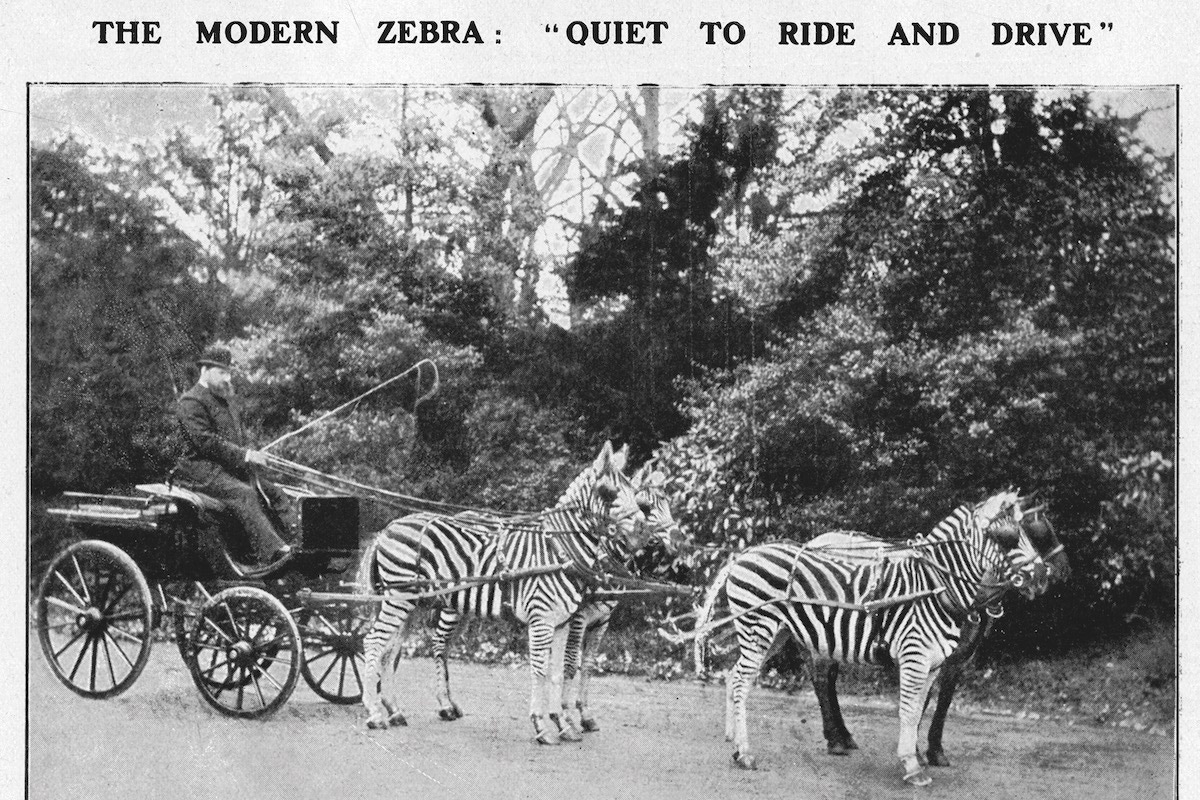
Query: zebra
[[976, 626], [590, 623], [460, 550], [972, 556], [651, 500]]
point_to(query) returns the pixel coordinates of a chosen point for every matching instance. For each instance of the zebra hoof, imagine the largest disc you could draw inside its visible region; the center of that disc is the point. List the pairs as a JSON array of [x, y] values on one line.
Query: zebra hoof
[[918, 778], [376, 722], [547, 738], [937, 758], [589, 725], [450, 714], [837, 749], [397, 720], [745, 760], [569, 735]]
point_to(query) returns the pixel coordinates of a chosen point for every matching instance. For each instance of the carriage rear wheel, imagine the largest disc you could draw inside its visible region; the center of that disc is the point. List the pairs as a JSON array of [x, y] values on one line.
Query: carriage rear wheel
[[244, 652], [94, 619], [333, 650]]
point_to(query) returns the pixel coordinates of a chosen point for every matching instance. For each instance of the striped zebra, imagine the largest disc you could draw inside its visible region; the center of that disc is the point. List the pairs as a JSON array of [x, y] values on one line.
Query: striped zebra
[[976, 626], [614, 558], [785, 587], [475, 552], [590, 623]]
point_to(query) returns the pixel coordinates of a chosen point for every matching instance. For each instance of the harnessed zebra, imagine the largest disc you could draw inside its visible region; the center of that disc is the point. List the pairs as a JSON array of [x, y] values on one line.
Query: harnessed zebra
[[614, 557], [477, 552], [843, 544], [909, 610], [590, 623]]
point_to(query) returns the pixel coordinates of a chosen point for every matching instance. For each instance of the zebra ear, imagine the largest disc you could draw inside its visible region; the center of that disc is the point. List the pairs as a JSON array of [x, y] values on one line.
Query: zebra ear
[[603, 461], [620, 458]]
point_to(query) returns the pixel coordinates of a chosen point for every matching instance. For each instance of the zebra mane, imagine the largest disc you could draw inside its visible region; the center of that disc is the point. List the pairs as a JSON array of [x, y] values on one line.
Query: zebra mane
[[996, 507]]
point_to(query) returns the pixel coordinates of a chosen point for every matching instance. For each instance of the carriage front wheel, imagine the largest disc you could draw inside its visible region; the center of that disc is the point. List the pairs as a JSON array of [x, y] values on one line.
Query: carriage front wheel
[[244, 652], [94, 618]]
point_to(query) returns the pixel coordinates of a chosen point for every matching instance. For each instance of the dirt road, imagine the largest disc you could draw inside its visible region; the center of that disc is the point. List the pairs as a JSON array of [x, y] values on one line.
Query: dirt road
[[658, 740]]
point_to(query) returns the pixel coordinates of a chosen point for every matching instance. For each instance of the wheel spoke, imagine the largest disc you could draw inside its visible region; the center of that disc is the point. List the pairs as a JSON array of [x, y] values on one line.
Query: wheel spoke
[[121, 650], [95, 656], [58, 626], [125, 616], [273, 660], [112, 602], [62, 579], [63, 604], [266, 674], [258, 690], [215, 665], [112, 676], [241, 689], [323, 654], [357, 675], [127, 634], [209, 622], [342, 679], [83, 585], [334, 663], [70, 642], [274, 642], [82, 653]]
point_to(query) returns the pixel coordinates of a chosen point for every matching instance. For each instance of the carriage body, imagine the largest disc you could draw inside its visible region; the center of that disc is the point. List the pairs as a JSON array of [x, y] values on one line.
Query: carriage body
[[241, 629], [175, 534]]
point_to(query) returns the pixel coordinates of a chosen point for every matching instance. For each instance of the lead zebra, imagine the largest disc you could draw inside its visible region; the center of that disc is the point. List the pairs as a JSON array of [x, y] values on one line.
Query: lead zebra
[[591, 616], [822, 601], [844, 544], [601, 508]]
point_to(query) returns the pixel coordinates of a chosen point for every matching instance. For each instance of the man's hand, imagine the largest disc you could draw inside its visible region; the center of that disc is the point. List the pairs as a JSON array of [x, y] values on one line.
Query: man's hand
[[256, 457]]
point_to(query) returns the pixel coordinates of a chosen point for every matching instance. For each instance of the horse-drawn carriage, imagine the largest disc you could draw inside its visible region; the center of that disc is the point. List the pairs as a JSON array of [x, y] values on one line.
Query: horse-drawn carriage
[[171, 554]]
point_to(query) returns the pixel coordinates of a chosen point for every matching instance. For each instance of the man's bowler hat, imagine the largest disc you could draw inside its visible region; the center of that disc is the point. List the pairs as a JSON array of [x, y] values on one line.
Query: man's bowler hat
[[216, 356]]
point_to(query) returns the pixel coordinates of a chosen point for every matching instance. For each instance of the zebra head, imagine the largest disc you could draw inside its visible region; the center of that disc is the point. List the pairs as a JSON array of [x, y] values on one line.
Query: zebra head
[[1002, 522], [604, 490], [650, 484]]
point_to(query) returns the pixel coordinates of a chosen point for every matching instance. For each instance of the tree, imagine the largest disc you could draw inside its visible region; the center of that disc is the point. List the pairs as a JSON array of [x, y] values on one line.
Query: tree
[[113, 311]]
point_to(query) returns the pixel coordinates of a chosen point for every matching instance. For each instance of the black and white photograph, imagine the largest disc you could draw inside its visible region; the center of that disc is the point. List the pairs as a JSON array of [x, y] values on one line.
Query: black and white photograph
[[718, 437]]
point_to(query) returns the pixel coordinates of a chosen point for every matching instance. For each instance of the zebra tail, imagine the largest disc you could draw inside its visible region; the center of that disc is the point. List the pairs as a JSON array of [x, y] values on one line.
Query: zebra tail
[[365, 577], [705, 615]]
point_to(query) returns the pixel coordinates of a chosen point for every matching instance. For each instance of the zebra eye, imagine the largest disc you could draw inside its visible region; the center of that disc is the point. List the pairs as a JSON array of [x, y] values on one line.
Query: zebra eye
[[645, 506]]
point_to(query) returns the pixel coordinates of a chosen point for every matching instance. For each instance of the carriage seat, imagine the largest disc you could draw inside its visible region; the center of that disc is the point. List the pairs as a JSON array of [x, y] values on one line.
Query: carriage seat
[[201, 501]]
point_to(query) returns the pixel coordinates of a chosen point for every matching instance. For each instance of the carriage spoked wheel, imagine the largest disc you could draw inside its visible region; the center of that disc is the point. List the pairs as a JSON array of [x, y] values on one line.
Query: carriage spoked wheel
[[94, 619], [333, 650], [244, 652]]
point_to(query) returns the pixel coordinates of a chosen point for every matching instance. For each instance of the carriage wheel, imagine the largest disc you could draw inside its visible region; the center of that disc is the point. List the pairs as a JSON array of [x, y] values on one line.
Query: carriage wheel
[[333, 651], [244, 652], [94, 618]]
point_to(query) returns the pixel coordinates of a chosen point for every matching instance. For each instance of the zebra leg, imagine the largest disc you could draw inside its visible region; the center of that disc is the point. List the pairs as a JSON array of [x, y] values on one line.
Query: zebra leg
[[558, 646], [541, 635], [591, 643], [382, 640], [916, 678], [573, 667], [391, 682], [753, 644], [838, 741], [947, 683], [443, 630], [952, 670]]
